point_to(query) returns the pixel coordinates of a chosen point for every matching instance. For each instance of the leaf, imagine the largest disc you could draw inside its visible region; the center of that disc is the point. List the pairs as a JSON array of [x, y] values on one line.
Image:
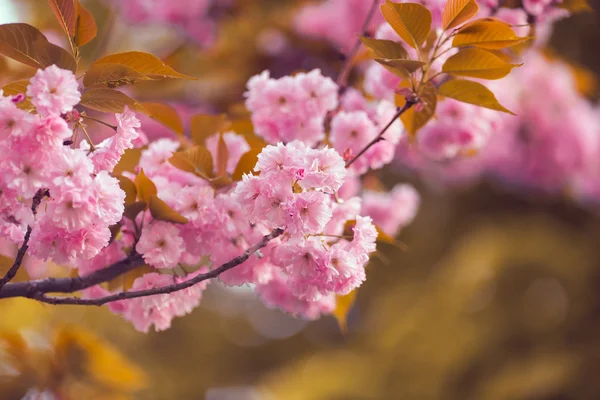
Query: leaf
[[457, 12], [414, 120], [161, 211], [477, 63], [246, 164], [245, 128], [203, 126], [487, 34], [27, 45], [385, 48], [575, 6], [112, 75], [411, 21], [128, 162], [77, 351], [6, 263], [196, 160], [166, 115], [342, 308], [132, 210], [129, 188], [108, 100], [222, 156], [383, 237], [66, 14], [144, 63], [145, 187], [125, 282], [472, 93], [17, 87], [402, 68], [86, 26]]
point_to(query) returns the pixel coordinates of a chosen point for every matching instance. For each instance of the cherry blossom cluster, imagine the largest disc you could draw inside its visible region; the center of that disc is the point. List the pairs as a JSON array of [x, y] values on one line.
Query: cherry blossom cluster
[[291, 108], [73, 223]]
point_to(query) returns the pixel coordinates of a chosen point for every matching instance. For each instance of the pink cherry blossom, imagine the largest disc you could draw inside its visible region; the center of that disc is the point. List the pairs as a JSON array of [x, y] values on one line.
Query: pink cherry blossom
[[53, 90]]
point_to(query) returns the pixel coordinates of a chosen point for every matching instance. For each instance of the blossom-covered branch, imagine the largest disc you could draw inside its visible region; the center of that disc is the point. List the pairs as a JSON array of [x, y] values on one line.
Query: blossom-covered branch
[[12, 272], [165, 289]]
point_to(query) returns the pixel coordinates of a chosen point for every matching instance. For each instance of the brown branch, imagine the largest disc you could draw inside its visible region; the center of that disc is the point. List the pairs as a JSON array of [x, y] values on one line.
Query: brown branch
[[12, 272], [409, 103], [31, 289], [342, 79], [40, 296]]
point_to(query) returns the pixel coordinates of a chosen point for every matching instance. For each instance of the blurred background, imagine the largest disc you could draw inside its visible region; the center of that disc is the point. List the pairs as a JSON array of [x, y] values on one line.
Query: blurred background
[[497, 295]]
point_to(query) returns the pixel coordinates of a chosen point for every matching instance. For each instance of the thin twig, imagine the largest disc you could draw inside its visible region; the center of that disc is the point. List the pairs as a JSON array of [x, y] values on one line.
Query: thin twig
[[342, 79], [165, 289], [114, 128], [12, 272], [409, 103]]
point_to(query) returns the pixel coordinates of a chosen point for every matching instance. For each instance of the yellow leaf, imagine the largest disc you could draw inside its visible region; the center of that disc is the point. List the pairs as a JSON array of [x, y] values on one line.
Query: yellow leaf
[[16, 87], [128, 162], [477, 63], [414, 120], [27, 45], [402, 68], [79, 352], [385, 48], [196, 160], [6, 263], [203, 126], [108, 100], [144, 63], [487, 34], [145, 187], [342, 308], [457, 12], [411, 21], [77, 22], [472, 93], [575, 6], [166, 115], [161, 211], [246, 164], [112, 75], [86, 26], [245, 128], [222, 156], [128, 187]]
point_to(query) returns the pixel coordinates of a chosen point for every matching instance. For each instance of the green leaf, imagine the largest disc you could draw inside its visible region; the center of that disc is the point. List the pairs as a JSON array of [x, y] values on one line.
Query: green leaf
[[411, 21], [26, 44], [161, 211], [145, 187], [477, 63], [385, 48], [472, 93], [457, 12]]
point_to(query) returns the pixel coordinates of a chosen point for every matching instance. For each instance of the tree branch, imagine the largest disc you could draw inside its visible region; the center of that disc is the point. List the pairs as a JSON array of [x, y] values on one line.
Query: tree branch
[[69, 285], [342, 79], [12, 272], [165, 289], [409, 103]]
